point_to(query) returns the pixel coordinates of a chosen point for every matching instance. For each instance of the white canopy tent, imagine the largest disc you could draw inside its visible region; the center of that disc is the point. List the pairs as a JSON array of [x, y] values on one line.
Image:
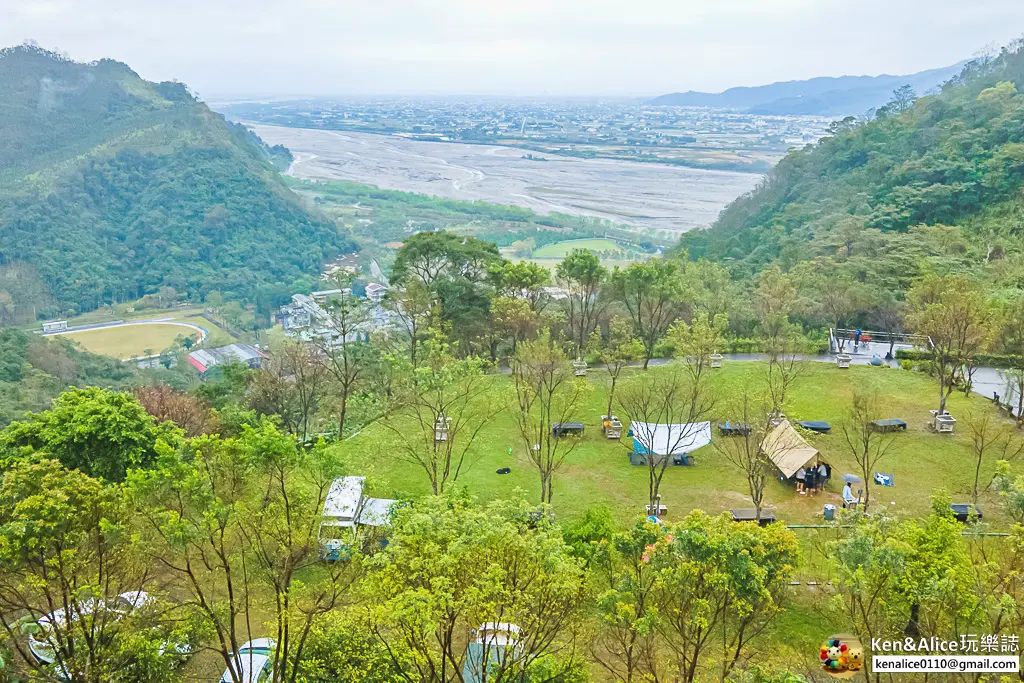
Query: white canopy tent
[[667, 440]]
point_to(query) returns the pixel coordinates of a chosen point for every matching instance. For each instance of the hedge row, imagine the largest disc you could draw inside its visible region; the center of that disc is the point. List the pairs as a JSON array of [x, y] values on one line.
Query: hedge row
[[990, 360]]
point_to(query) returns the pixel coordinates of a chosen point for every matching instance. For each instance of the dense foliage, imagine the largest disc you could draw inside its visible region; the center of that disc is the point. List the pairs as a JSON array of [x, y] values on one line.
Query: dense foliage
[[880, 196], [34, 370], [111, 187]]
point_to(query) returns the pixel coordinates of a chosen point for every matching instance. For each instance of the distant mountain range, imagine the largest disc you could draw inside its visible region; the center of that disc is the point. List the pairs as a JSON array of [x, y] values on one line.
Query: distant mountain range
[[826, 96]]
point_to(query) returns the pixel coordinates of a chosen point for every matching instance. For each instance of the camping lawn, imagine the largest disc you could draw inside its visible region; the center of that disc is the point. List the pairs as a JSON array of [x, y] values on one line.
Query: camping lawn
[[597, 472]]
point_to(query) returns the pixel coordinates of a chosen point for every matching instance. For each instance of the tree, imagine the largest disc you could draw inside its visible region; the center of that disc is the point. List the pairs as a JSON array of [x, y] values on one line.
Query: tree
[[441, 408], [102, 433], [230, 521], [498, 564], [66, 544], [836, 294], [292, 387], [621, 349], [654, 294], [412, 305], [867, 444], [191, 413], [774, 299], [891, 317], [582, 275], [1011, 343], [432, 256], [991, 439], [511, 319], [214, 301], [721, 585], [546, 393], [665, 410], [524, 280], [748, 451], [343, 352], [955, 314]]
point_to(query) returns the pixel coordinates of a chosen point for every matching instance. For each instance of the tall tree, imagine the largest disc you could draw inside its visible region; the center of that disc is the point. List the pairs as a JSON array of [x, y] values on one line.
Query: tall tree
[[748, 450], [654, 293], [774, 298], [665, 410], [620, 349], [581, 275], [955, 314], [868, 445], [546, 393], [441, 407], [344, 351], [483, 565], [412, 305]]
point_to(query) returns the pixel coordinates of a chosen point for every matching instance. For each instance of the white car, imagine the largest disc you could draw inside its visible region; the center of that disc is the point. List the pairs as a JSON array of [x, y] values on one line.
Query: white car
[[254, 662], [43, 644]]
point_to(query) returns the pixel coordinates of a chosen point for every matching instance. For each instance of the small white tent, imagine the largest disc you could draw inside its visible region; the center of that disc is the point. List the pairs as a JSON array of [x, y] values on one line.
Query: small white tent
[[667, 440]]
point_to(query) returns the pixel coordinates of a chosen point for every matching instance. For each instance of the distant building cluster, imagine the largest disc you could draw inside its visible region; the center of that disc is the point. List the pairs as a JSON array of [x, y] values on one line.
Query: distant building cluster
[[307, 317], [204, 359]]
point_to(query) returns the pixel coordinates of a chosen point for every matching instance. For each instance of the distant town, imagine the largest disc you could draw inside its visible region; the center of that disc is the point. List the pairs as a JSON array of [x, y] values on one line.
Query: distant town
[[623, 129]]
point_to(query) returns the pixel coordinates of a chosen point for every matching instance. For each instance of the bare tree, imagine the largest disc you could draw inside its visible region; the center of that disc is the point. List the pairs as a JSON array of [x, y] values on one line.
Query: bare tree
[[546, 393], [188, 411], [291, 387], [441, 409], [992, 439], [867, 444], [344, 351], [747, 451], [617, 352], [665, 410], [412, 305]]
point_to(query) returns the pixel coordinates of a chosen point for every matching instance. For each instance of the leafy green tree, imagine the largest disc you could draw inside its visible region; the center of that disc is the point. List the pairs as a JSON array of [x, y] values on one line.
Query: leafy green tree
[[581, 275], [66, 545], [654, 294], [501, 563], [547, 393], [524, 280], [102, 433], [432, 256]]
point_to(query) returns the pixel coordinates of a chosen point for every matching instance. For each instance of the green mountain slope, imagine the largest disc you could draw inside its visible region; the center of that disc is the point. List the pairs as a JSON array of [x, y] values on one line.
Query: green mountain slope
[[932, 184], [112, 186]]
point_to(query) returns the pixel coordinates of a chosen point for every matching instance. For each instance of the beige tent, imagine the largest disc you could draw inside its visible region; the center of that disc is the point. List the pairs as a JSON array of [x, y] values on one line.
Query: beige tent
[[788, 450]]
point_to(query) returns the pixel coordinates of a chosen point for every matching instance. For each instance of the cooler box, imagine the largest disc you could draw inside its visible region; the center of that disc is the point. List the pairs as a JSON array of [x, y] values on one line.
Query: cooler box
[[829, 512]]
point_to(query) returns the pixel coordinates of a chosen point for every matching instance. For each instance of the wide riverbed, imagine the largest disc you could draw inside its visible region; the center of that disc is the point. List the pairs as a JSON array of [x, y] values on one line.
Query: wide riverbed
[[658, 196]]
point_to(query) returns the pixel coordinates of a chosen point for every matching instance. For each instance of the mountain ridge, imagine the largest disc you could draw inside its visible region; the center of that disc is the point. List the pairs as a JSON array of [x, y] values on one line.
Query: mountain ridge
[[112, 187], [822, 95]]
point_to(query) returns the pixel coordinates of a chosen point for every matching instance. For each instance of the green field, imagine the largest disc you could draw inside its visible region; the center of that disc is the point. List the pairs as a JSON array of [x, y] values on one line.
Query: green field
[[129, 341], [598, 473], [561, 249]]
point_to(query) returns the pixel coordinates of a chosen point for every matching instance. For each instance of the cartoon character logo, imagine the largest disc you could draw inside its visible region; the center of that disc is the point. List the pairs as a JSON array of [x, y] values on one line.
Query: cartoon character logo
[[841, 656]]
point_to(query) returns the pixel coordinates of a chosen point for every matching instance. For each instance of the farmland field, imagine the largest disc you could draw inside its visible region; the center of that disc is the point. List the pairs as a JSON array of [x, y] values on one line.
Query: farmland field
[[561, 249]]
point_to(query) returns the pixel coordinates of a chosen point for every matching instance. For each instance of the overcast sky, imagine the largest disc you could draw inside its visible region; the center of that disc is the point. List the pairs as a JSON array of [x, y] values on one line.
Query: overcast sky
[[516, 47]]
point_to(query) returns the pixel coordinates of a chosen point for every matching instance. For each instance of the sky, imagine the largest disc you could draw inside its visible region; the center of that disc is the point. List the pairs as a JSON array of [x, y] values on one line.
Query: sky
[[264, 48]]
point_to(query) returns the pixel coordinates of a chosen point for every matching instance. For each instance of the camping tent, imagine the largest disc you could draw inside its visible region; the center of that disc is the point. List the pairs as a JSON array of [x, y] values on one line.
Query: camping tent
[[667, 440], [787, 449]]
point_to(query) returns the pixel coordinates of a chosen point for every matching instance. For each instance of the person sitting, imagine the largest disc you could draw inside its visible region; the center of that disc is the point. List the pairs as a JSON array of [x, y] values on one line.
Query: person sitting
[[849, 500]]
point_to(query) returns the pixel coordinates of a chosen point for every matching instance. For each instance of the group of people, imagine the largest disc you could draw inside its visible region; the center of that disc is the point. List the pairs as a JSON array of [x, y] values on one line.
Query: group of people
[[811, 480]]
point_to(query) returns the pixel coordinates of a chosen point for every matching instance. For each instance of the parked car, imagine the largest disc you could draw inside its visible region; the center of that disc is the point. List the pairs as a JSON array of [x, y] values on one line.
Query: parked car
[[43, 642], [254, 661]]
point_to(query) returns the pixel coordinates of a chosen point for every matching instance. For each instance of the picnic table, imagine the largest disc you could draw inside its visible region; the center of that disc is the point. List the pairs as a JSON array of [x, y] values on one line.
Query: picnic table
[[730, 429], [891, 424], [816, 426], [567, 429], [750, 515], [965, 512]]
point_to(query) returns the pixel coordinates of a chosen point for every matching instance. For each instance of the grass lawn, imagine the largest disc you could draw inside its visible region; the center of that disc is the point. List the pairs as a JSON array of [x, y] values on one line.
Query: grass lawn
[[126, 342], [561, 249], [597, 472]]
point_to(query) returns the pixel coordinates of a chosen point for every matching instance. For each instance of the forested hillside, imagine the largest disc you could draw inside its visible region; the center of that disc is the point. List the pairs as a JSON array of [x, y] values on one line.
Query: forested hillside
[[928, 185], [112, 186]]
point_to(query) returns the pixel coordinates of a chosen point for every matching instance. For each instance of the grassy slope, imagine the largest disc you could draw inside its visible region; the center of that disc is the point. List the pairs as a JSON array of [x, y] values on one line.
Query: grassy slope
[[597, 472]]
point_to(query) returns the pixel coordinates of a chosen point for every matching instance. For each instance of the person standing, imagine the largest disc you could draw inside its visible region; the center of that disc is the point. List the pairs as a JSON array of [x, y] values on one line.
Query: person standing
[[811, 480], [822, 475], [801, 475]]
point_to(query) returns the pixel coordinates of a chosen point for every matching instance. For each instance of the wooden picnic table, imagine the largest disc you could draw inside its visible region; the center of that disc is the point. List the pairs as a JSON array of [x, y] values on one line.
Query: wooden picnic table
[[567, 429], [730, 429], [891, 424], [750, 515]]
